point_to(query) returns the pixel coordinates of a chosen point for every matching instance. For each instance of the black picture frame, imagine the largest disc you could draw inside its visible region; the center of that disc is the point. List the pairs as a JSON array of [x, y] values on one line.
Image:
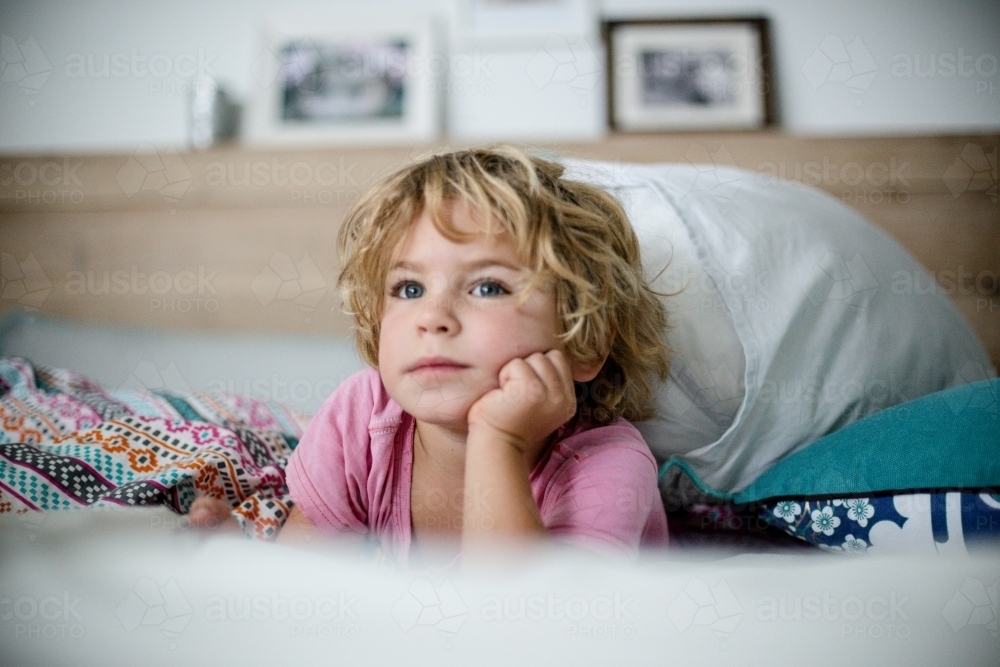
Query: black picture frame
[[671, 85]]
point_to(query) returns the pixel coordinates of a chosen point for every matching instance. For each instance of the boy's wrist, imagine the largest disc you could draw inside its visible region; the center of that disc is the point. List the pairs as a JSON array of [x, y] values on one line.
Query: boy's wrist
[[482, 434], [493, 439]]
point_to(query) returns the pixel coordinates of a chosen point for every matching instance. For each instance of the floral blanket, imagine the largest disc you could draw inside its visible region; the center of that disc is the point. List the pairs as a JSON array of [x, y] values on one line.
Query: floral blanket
[[66, 442]]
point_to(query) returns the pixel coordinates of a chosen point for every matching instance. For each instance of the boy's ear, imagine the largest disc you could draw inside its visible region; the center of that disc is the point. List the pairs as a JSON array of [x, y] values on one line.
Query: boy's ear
[[587, 372]]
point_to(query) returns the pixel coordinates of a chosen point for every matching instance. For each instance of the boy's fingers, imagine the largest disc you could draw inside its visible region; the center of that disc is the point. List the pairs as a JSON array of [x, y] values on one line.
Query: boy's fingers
[[548, 373], [538, 377], [563, 390], [554, 369], [207, 512], [201, 505], [562, 364], [512, 370]]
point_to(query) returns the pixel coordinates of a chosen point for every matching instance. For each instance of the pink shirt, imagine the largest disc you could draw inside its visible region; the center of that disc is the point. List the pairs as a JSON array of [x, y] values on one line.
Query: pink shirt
[[352, 471]]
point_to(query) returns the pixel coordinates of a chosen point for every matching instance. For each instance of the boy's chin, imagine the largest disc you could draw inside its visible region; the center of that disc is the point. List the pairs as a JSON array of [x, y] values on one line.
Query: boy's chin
[[452, 414], [445, 405]]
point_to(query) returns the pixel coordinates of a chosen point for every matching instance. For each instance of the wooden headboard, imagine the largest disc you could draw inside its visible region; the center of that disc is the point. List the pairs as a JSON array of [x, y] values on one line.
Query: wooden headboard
[[235, 239]]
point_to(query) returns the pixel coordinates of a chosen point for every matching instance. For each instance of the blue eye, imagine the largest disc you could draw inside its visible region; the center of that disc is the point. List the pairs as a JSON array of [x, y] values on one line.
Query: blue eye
[[489, 288], [408, 290]]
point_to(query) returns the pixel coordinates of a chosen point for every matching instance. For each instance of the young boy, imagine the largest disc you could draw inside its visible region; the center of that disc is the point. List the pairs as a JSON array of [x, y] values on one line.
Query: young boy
[[513, 332]]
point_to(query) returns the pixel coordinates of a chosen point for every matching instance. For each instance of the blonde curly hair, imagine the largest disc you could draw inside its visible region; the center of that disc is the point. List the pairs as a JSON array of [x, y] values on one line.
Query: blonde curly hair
[[568, 234]]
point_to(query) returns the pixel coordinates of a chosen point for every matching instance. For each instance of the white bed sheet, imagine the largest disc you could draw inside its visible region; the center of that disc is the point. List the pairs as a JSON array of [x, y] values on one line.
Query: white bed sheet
[[135, 587]]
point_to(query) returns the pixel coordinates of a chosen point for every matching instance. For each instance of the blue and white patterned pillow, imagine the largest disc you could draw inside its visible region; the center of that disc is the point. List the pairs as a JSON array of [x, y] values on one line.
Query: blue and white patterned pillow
[[944, 523]]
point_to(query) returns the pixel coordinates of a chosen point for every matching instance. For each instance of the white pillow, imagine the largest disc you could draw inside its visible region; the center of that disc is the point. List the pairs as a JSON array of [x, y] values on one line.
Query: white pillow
[[788, 328], [707, 370]]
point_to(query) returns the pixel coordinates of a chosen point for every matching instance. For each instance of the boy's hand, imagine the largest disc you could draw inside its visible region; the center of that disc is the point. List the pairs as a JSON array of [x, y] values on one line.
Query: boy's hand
[[535, 397], [208, 512]]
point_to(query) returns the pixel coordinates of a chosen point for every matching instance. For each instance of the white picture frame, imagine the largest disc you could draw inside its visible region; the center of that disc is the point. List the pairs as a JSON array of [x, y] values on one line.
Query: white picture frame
[[349, 84], [683, 75]]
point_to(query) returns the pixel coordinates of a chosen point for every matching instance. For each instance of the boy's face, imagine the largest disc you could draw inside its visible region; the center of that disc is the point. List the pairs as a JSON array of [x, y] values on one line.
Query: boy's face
[[452, 320]]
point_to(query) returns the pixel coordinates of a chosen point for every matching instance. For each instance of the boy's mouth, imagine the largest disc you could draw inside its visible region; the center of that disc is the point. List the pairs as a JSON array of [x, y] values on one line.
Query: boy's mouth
[[436, 364]]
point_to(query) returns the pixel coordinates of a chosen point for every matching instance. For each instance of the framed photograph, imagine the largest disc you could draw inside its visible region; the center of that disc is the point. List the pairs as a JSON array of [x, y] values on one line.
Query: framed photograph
[[348, 85], [691, 74]]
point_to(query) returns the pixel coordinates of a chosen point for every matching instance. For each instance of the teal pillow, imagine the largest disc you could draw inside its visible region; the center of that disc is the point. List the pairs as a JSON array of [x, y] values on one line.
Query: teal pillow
[[946, 440]]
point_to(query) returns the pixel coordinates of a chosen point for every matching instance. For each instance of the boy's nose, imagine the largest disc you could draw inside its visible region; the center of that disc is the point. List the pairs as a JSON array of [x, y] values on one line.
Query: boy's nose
[[438, 316]]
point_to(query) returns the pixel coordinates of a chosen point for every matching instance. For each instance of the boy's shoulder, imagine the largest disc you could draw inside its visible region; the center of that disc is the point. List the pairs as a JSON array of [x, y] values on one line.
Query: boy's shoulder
[[362, 395]]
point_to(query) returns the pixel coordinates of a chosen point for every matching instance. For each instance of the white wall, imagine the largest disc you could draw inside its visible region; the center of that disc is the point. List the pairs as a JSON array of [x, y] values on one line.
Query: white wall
[[63, 112]]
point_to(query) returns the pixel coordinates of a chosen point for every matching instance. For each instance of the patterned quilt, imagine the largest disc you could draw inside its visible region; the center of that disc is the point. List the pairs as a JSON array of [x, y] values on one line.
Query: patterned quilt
[[66, 442]]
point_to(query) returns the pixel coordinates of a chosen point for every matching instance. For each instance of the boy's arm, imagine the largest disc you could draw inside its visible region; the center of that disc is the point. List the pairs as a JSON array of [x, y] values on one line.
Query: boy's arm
[[498, 500], [509, 429]]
